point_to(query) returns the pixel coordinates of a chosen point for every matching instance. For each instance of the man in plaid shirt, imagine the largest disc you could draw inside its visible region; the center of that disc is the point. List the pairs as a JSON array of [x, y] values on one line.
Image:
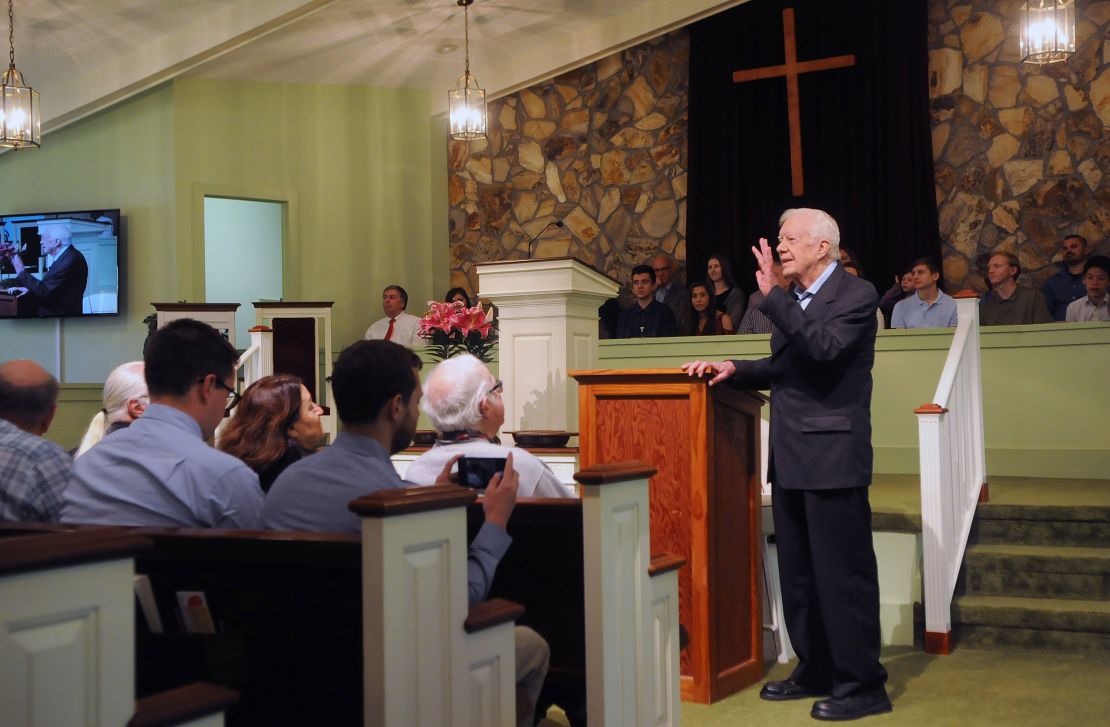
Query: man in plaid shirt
[[33, 470]]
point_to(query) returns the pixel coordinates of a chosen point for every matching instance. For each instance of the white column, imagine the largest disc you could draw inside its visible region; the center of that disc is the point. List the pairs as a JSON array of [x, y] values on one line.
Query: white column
[[547, 313]]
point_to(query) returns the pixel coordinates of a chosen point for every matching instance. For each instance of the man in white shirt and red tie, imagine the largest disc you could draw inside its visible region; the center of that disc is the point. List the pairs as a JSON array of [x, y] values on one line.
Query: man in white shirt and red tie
[[397, 325]]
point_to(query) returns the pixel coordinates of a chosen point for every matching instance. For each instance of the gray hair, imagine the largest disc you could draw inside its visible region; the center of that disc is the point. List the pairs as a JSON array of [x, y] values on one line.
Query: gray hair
[[125, 383], [60, 228], [454, 392], [821, 227]]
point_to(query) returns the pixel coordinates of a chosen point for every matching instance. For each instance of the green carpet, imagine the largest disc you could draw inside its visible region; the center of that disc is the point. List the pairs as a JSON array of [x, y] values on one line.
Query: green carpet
[[968, 687]]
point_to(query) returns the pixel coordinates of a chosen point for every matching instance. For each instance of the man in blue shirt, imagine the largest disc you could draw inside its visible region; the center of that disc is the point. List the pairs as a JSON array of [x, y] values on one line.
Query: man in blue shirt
[[646, 317], [928, 307], [1067, 285], [159, 471], [377, 394]]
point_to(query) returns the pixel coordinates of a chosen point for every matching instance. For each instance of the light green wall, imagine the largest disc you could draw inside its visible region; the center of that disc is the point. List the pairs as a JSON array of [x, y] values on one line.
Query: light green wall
[[1044, 392], [122, 158], [354, 166]]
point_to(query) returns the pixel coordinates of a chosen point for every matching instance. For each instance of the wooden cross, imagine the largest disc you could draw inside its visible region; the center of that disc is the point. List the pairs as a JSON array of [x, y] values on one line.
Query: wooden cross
[[792, 69]]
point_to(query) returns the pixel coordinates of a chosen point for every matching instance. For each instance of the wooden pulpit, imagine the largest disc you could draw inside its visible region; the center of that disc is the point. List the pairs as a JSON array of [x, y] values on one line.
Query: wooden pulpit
[[705, 506], [9, 307]]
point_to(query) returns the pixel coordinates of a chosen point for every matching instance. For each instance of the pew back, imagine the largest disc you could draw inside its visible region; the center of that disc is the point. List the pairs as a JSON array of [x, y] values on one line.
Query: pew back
[[287, 612]]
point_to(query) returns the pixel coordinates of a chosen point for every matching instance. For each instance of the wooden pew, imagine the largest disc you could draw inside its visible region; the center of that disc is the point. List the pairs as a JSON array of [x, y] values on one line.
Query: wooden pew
[[545, 571], [288, 606], [67, 634]]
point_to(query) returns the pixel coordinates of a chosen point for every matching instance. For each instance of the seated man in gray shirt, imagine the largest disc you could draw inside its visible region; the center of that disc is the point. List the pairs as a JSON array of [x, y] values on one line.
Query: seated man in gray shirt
[[377, 395], [159, 471]]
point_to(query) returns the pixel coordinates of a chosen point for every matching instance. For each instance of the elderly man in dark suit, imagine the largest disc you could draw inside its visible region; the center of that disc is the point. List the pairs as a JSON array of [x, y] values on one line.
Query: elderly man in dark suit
[[61, 290], [819, 374]]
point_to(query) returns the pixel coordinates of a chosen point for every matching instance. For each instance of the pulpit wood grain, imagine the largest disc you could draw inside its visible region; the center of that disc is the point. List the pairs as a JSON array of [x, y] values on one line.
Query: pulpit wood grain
[[704, 506]]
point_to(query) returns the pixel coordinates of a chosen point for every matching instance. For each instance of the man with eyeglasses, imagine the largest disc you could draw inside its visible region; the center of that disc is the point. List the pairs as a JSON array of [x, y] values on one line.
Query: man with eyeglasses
[[160, 471], [463, 403]]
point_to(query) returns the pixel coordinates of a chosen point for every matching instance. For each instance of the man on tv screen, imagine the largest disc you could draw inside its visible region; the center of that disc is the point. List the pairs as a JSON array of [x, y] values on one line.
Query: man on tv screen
[[66, 272]]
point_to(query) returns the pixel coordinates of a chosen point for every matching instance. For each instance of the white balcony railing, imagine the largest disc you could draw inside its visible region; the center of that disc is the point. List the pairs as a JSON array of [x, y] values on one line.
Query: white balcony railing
[[953, 471]]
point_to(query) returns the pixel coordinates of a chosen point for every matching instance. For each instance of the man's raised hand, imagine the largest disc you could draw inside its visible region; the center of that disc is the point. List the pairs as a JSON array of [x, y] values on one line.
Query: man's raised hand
[[764, 278]]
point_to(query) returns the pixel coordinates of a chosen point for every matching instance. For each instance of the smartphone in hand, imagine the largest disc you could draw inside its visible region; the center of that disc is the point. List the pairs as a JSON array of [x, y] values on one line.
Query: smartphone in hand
[[476, 472]]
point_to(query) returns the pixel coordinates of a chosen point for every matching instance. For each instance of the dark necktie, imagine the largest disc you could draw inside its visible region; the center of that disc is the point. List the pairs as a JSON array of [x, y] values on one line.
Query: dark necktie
[[389, 332]]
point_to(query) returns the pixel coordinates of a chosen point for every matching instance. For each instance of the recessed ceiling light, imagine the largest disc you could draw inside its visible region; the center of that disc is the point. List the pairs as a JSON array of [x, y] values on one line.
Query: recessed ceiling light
[[445, 48]]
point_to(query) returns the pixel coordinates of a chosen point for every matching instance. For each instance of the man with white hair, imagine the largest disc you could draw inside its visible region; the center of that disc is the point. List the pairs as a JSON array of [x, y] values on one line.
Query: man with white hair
[[463, 402], [819, 374], [61, 287]]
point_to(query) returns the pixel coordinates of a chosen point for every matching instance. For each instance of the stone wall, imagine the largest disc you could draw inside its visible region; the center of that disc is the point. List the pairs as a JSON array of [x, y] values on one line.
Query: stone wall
[[602, 148], [1022, 152]]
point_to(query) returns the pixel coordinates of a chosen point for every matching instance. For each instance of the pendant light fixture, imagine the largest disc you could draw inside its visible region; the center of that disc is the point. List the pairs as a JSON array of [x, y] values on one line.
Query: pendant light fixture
[[1047, 31], [19, 103], [467, 101]]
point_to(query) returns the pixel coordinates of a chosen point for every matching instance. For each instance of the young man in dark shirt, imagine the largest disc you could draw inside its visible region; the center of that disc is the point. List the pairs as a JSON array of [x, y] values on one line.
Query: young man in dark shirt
[[647, 317]]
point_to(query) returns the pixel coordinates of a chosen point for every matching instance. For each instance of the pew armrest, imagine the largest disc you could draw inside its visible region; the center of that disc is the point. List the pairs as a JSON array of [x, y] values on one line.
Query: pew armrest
[[664, 563], [182, 705], [487, 614]]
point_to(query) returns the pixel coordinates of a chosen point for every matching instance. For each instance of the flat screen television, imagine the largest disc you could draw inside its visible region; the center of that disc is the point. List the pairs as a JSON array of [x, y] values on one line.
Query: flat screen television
[[60, 264]]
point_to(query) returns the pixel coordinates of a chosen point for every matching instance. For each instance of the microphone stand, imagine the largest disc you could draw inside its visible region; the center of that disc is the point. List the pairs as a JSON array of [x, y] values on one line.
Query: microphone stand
[[548, 226]]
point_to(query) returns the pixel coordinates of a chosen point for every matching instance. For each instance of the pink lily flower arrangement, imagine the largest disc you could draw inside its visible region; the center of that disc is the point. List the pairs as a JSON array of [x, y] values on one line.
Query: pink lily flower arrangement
[[452, 328]]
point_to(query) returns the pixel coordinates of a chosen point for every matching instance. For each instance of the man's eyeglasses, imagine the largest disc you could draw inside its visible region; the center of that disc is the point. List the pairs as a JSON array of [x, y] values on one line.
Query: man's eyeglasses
[[233, 396], [496, 388]]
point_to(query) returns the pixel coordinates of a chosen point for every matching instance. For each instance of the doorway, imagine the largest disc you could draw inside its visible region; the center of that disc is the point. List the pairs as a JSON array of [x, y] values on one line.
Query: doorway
[[243, 256]]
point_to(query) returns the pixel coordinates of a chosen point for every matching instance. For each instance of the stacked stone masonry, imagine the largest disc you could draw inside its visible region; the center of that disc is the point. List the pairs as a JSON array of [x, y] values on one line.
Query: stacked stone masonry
[[601, 148], [1021, 152]]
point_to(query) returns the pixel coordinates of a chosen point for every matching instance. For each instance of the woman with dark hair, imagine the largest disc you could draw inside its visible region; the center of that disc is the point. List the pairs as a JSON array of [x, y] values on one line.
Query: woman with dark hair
[[275, 424], [457, 294], [902, 289], [703, 318], [730, 298]]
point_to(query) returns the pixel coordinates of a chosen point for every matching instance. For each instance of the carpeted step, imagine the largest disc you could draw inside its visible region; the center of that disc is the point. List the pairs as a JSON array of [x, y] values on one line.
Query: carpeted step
[[1037, 571], [1025, 623], [1042, 525]]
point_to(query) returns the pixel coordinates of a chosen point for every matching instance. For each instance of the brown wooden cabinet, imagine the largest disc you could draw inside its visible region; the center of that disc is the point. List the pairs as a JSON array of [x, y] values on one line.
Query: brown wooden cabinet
[[705, 505]]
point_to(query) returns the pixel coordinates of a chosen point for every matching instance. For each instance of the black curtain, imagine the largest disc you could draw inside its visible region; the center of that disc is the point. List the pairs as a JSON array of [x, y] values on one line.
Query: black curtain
[[866, 138]]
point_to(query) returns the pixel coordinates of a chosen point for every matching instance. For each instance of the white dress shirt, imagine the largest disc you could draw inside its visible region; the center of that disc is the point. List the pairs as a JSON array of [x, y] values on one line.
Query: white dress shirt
[[405, 328], [1084, 311]]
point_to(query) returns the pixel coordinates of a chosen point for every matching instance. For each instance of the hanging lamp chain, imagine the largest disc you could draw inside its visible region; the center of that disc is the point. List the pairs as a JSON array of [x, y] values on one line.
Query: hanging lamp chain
[[11, 35], [466, 38]]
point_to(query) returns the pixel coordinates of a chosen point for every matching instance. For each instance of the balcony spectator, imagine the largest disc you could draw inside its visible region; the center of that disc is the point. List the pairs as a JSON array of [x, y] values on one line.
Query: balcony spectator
[[646, 317], [702, 316], [1067, 286], [902, 289], [730, 298], [929, 306], [1092, 306], [1007, 303]]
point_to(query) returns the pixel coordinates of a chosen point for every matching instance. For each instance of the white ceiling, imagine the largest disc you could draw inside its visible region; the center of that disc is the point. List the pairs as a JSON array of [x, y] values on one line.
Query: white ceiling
[[85, 55]]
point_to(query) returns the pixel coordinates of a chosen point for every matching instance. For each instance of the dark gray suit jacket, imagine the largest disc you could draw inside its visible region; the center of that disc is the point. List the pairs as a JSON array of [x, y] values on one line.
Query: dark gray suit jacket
[[819, 374], [62, 288]]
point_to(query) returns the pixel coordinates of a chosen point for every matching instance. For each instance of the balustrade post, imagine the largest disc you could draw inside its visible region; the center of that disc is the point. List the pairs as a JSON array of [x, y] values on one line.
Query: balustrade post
[[935, 528]]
